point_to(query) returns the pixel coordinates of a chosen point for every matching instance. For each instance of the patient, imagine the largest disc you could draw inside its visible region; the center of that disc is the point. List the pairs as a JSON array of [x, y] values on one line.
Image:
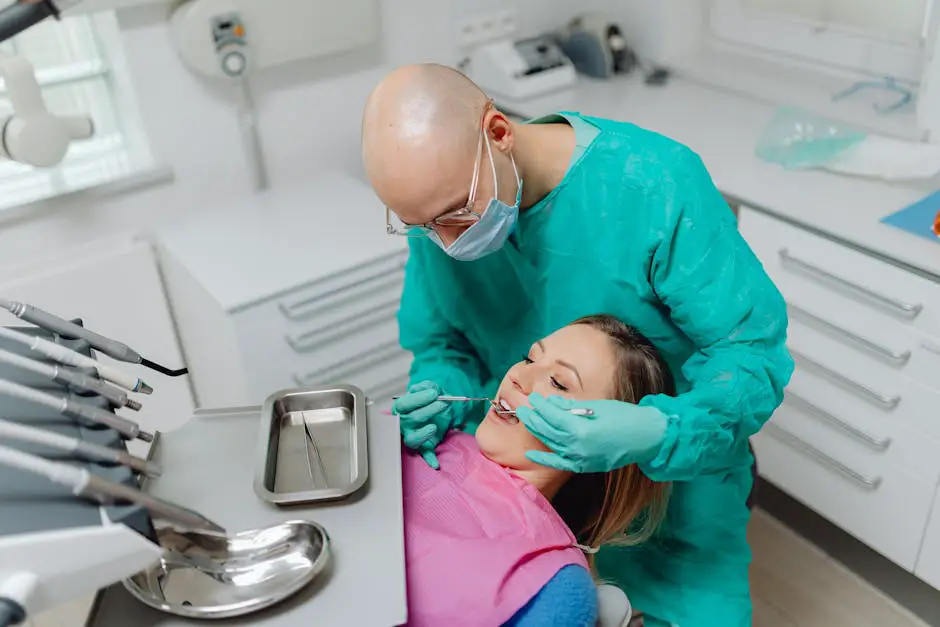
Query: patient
[[493, 538]]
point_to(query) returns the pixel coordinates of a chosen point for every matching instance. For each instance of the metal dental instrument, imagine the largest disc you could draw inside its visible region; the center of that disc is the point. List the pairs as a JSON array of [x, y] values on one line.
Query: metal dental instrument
[[72, 379], [308, 442], [111, 348], [87, 450], [73, 409], [577, 411], [69, 357], [83, 483]]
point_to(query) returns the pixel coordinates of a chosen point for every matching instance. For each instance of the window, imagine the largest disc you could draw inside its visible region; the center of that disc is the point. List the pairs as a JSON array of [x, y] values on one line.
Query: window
[[79, 67], [877, 37]]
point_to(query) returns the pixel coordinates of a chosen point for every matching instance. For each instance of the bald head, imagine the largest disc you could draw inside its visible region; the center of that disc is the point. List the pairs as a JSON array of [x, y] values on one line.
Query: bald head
[[420, 131]]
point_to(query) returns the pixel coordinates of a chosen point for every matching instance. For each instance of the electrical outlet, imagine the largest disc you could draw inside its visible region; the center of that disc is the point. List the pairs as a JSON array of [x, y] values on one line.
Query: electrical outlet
[[486, 27]]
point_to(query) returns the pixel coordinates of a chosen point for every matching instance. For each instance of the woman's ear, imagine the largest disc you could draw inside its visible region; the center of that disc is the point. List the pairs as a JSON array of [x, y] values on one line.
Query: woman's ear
[[500, 131]]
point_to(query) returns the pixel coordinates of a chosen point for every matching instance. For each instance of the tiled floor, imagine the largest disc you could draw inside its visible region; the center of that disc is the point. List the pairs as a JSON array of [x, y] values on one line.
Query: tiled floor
[[794, 585]]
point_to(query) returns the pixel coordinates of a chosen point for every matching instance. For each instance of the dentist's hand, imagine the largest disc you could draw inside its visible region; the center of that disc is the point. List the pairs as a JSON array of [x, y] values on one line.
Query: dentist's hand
[[424, 419], [618, 434]]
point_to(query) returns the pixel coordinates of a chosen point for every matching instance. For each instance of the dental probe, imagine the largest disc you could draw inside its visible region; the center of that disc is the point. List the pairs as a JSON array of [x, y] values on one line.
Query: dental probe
[[576, 411], [88, 450], [111, 348], [69, 357], [72, 379], [74, 409]]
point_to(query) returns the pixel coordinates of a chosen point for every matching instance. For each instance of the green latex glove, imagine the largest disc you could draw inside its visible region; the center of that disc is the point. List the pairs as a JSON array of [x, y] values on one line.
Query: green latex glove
[[424, 419], [618, 434]]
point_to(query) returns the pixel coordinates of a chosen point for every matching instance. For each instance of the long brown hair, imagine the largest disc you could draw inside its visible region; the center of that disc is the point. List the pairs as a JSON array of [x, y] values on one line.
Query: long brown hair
[[623, 506]]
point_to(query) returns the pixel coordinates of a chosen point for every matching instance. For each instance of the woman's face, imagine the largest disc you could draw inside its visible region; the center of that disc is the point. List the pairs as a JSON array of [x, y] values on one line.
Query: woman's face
[[575, 362]]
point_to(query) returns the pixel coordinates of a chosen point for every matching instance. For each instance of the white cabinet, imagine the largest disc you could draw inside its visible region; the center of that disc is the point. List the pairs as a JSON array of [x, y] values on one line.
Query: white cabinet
[[300, 287], [928, 565], [116, 289], [857, 438]]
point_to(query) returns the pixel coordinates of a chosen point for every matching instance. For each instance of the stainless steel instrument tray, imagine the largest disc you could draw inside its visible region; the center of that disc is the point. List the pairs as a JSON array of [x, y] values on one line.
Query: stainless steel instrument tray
[[312, 445]]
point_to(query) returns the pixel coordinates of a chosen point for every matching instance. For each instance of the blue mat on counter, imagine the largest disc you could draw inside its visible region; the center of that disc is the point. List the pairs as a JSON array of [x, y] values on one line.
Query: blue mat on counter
[[918, 218]]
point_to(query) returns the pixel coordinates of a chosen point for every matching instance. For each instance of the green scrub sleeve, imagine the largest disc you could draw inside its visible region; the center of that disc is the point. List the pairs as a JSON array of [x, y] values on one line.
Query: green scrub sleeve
[[719, 295], [441, 353]]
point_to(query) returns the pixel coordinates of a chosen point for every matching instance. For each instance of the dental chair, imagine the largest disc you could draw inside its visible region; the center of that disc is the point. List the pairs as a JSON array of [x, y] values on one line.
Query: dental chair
[[614, 608]]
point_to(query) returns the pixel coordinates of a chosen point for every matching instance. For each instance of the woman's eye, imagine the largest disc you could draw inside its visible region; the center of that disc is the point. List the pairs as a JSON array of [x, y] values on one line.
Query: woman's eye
[[558, 386], [525, 358]]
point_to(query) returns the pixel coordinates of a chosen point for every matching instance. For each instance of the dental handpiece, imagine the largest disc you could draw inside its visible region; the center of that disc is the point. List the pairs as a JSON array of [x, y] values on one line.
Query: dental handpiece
[[83, 483], [75, 380], [128, 428], [87, 450], [69, 357], [111, 348]]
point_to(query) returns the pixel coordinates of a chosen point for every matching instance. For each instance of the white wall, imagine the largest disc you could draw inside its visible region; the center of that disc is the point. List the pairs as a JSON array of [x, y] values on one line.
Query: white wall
[[309, 113]]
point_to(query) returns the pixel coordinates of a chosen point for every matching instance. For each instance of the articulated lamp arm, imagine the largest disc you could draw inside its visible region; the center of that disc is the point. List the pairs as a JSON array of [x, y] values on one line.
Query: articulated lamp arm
[[31, 134]]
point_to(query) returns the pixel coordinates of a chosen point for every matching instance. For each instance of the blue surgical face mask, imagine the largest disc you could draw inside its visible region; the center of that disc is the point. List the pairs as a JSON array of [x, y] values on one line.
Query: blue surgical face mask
[[490, 233]]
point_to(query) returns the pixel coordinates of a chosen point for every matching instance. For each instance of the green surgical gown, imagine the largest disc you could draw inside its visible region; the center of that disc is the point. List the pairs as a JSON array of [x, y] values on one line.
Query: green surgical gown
[[636, 229]]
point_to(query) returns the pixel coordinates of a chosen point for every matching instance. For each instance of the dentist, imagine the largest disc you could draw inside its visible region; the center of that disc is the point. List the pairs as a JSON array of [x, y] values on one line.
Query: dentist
[[515, 230]]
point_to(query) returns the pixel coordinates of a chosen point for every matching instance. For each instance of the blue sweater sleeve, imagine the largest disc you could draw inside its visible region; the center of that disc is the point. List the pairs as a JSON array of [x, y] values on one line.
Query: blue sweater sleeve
[[569, 599]]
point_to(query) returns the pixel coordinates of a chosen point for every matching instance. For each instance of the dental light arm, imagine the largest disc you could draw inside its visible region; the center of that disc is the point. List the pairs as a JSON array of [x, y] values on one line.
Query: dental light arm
[[31, 134]]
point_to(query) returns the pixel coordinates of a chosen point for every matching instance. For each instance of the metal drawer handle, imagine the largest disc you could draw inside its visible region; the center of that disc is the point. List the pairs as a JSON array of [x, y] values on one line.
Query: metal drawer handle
[[897, 358], [862, 391], [301, 309], [350, 366], [929, 346], [795, 400], [309, 340], [899, 308], [791, 440]]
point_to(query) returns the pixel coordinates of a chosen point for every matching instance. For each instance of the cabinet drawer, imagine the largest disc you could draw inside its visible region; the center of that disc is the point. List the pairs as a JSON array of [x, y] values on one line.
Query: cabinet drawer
[[340, 291], [857, 388], [322, 328], [335, 291], [860, 335], [928, 562], [271, 361], [888, 511], [802, 263], [380, 372], [872, 448]]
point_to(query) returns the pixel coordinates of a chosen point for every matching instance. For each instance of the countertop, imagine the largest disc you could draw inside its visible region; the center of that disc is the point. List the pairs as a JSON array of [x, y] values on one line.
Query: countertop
[[210, 465], [276, 240], [723, 128]]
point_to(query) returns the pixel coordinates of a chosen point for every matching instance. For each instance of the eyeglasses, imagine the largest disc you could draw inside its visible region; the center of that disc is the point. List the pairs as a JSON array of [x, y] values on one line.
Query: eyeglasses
[[462, 217]]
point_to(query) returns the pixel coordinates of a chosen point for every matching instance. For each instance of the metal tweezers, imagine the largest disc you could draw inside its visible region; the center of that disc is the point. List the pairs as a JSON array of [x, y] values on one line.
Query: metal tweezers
[[310, 442]]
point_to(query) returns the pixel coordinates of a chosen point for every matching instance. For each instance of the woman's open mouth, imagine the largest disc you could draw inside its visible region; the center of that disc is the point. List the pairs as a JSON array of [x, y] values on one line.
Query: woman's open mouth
[[504, 411]]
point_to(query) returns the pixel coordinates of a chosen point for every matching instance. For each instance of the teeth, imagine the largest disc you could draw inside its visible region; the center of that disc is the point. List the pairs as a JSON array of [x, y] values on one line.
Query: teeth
[[505, 405]]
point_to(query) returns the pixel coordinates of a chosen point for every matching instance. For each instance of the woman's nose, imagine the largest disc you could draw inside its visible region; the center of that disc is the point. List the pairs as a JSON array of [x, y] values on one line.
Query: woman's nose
[[522, 382]]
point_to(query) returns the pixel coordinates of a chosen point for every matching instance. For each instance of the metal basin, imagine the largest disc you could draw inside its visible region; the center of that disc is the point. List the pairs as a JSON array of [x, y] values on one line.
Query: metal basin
[[206, 576]]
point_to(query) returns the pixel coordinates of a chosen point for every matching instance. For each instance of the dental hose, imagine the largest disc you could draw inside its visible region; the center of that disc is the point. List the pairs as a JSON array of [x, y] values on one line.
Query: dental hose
[[11, 613]]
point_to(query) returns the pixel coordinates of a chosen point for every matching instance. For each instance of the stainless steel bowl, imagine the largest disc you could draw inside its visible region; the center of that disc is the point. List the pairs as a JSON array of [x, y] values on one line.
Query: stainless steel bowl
[[209, 576]]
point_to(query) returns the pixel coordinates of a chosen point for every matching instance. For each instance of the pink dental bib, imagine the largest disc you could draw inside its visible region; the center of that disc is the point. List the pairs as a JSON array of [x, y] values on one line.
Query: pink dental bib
[[480, 542]]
